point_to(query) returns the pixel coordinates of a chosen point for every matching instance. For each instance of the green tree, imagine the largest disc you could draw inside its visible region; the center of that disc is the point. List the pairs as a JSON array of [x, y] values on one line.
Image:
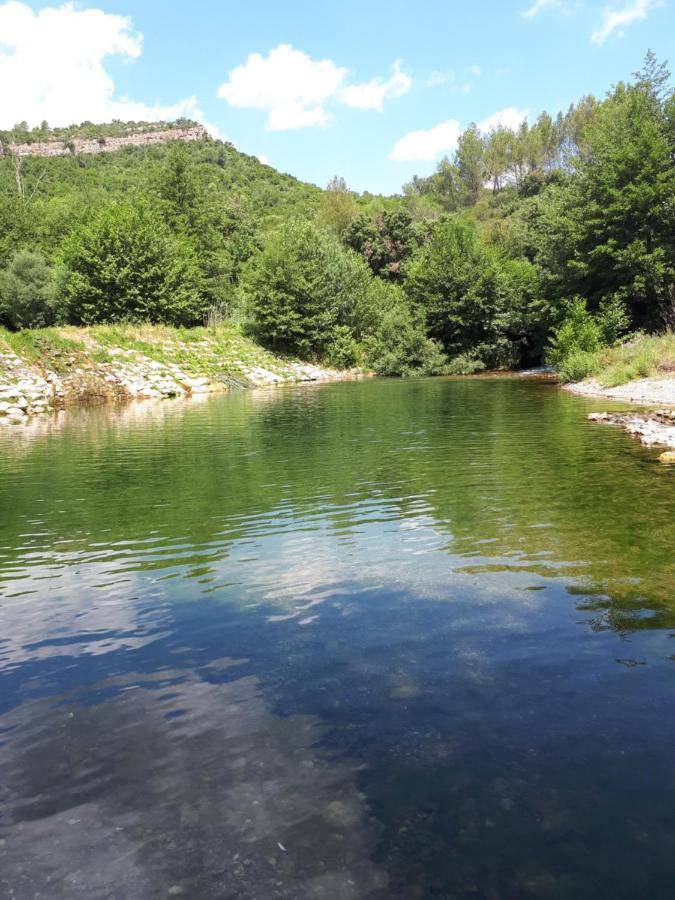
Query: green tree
[[126, 264], [470, 162], [548, 140], [397, 342], [497, 156], [623, 204], [302, 287], [29, 292], [220, 230], [337, 207], [385, 241], [475, 302]]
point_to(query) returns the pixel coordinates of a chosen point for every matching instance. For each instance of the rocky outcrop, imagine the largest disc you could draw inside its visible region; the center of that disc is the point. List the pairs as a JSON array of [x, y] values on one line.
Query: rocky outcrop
[[104, 145]]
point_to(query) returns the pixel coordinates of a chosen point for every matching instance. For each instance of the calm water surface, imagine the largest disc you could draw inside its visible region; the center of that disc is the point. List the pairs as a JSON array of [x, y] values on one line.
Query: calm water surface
[[376, 640]]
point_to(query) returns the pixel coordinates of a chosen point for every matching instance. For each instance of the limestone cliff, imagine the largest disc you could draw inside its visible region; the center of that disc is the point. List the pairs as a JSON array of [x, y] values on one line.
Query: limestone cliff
[[104, 145]]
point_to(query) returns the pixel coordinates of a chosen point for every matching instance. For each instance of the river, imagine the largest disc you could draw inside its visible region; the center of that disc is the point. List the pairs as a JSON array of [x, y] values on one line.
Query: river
[[392, 640]]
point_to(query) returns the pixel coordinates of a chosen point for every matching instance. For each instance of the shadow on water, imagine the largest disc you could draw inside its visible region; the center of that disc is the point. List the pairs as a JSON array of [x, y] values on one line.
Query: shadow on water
[[372, 640]]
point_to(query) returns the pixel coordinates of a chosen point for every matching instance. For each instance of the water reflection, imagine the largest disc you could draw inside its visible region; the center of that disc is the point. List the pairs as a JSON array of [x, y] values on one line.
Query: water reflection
[[373, 640], [180, 785]]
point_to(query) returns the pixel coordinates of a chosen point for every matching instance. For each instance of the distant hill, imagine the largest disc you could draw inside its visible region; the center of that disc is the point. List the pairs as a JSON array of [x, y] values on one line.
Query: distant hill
[[75, 167]]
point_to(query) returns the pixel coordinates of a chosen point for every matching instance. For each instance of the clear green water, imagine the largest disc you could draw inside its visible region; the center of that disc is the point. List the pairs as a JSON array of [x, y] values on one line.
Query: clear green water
[[369, 640]]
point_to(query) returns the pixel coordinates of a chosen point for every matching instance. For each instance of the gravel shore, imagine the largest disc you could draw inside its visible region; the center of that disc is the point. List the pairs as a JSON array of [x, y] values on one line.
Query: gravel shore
[[644, 390], [655, 428]]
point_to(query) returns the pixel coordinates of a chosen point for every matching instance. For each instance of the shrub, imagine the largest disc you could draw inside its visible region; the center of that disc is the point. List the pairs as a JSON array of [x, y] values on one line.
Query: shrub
[[126, 264], [579, 364], [579, 332], [465, 364], [29, 292], [343, 351], [613, 320], [575, 344]]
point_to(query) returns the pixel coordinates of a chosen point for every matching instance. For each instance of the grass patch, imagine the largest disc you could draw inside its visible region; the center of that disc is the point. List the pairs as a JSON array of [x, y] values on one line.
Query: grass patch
[[47, 347], [643, 356], [579, 365], [646, 356], [211, 351]]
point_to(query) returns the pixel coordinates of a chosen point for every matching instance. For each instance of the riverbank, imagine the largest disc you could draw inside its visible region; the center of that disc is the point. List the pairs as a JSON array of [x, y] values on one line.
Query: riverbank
[[49, 369], [642, 390], [654, 427], [641, 371]]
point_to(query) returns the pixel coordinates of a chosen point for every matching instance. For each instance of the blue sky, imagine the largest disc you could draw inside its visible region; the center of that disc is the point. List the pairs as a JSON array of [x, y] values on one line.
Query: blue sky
[[374, 91]]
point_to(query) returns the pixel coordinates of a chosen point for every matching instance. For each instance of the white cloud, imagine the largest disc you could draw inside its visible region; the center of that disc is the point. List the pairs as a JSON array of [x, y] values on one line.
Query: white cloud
[[537, 7], [264, 159], [505, 118], [476, 71], [293, 89], [613, 19], [427, 145], [54, 62], [287, 84], [372, 94]]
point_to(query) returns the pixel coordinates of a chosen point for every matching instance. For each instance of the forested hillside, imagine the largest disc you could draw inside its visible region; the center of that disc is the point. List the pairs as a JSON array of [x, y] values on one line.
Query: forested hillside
[[549, 242]]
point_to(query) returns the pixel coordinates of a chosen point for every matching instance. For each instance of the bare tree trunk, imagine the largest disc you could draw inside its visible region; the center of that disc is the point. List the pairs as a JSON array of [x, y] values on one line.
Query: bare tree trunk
[[17, 174]]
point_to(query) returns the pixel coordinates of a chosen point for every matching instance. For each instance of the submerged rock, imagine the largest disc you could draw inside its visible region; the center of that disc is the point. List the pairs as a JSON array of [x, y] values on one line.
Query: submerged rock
[[668, 458]]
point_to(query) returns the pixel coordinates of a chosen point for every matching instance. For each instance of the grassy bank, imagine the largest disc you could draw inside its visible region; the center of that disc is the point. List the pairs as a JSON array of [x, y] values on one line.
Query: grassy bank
[[217, 351], [645, 356], [49, 368]]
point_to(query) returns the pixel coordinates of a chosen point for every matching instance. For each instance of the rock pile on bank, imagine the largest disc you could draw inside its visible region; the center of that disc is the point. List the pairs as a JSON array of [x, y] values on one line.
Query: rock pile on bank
[[26, 392], [29, 390], [258, 376], [654, 429]]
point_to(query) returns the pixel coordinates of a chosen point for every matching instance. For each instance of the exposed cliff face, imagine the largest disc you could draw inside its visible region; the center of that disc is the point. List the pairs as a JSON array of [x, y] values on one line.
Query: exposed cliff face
[[104, 145]]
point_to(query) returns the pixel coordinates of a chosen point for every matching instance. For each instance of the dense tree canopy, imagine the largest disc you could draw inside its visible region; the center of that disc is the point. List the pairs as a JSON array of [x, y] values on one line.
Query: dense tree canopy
[[475, 301]]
